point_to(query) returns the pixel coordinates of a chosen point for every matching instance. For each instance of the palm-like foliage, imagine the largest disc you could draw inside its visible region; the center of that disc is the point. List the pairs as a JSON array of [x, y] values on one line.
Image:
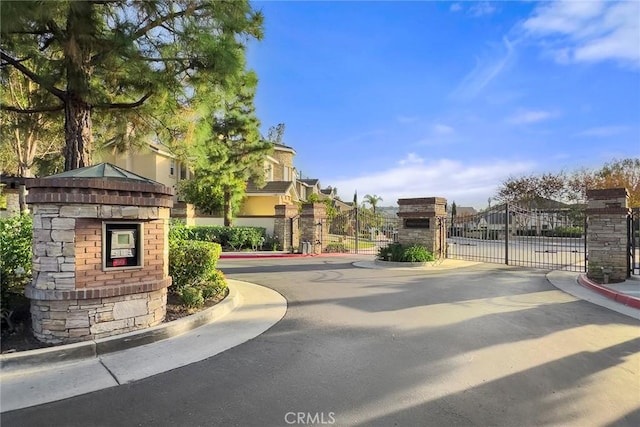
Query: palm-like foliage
[[373, 201]]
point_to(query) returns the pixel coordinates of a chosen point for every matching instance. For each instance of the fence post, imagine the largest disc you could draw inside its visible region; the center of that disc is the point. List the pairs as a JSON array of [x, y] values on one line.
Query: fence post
[[357, 228], [506, 233]]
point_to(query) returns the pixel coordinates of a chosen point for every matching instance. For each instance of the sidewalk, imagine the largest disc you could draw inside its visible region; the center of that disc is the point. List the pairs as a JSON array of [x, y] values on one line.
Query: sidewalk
[[45, 375], [621, 297]]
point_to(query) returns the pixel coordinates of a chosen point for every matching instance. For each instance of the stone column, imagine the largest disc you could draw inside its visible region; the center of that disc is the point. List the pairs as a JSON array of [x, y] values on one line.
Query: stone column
[[74, 295], [285, 227], [314, 226], [607, 213], [423, 221]]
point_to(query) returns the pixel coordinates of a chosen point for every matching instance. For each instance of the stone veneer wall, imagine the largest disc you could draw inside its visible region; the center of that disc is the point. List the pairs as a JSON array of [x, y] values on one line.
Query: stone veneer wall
[[72, 297], [432, 208], [318, 235], [607, 213], [282, 227]]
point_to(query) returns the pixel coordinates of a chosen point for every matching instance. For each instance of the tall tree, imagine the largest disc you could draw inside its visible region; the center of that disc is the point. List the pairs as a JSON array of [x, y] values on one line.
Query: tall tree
[[572, 186], [230, 152], [373, 201], [121, 54], [275, 134]]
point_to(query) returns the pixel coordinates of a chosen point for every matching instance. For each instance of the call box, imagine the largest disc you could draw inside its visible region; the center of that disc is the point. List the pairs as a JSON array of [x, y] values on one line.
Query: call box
[[122, 245]]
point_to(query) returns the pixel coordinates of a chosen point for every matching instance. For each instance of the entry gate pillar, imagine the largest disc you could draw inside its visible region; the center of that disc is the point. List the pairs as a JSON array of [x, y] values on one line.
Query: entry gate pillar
[[423, 222], [607, 213]]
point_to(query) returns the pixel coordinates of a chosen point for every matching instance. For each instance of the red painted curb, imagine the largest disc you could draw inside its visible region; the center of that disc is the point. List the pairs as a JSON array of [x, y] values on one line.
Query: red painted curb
[[624, 299], [256, 256]]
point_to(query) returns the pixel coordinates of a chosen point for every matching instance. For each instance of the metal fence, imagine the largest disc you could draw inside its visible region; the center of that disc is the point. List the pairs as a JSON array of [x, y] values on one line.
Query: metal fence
[[633, 242], [545, 238], [361, 231]]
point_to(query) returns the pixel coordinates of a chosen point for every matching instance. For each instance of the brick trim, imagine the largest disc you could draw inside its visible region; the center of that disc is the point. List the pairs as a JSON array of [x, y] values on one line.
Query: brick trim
[[607, 193], [54, 195], [418, 215], [602, 211], [100, 184], [423, 201], [92, 293]]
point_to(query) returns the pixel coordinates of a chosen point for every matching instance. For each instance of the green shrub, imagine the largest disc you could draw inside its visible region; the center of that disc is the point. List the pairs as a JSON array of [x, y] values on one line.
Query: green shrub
[[214, 285], [192, 296], [191, 262], [15, 256], [395, 252], [566, 232], [234, 238], [336, 247], [417, 253]]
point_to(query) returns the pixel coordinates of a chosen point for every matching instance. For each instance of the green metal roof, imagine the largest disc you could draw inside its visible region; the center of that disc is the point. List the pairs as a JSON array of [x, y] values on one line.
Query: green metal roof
[[102, 170]]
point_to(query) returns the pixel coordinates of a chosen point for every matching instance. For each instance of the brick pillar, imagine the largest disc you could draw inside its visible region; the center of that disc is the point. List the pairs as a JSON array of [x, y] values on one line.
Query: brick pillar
[[314, 226], [607, 212], [423, 222], [75, 294], [286, 223]]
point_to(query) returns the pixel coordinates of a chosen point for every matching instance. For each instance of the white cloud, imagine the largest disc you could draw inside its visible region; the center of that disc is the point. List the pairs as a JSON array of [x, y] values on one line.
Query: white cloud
[[441, 129], [456, 7], [481, 9], [531, 116], [414, 176], [485, 71], [588, 31], [603, 131]]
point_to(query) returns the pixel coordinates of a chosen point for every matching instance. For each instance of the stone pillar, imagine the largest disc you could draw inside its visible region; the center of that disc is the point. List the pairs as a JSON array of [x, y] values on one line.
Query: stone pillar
[[286, 228], [314, 227], [423, 221], [607, 212], [74, 295]]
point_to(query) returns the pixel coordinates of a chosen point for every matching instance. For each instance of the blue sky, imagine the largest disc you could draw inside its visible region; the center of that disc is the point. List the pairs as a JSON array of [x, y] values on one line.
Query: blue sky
[[419, 99]]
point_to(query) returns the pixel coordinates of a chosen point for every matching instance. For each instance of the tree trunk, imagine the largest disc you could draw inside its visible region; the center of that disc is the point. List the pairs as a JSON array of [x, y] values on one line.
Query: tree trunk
[[77, 111], [77, 132], [228, 210]]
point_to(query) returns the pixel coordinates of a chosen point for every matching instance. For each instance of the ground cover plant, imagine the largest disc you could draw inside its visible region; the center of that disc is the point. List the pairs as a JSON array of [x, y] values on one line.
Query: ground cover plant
[[396, 252]]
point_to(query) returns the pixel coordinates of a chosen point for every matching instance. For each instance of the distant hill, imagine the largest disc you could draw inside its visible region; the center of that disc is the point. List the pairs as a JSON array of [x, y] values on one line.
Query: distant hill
[[387, 210]]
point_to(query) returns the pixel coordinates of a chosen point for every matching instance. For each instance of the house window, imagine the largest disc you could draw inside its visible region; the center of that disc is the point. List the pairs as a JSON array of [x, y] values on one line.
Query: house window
[[286, 173], [172, 167], [268, 171], [183, 171]]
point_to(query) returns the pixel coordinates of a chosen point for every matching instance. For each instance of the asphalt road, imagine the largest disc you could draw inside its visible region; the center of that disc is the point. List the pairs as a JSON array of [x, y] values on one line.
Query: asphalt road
[[485, 345]]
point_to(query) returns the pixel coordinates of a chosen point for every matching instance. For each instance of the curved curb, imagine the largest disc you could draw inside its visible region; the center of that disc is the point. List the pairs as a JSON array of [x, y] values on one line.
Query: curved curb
[[446, 264], [403, 264], [96, 348], [625, 299]]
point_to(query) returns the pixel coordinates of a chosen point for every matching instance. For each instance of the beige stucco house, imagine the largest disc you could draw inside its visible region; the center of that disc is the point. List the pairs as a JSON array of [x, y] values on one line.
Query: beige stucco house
[[282, 185]]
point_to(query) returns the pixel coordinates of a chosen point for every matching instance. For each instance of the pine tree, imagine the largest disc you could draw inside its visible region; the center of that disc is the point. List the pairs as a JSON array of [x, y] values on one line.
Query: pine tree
[[230, 152], [96, 56]]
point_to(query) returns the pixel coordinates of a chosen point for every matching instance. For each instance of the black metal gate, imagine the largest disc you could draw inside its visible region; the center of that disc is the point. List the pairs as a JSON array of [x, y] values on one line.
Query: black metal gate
[[633, 242], [361, 231], [552, 239]]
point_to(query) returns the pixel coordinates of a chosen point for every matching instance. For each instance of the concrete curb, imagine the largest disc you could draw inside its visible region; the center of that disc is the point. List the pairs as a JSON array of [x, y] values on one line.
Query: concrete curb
[[621, 298], [402, 264], [95, 348]]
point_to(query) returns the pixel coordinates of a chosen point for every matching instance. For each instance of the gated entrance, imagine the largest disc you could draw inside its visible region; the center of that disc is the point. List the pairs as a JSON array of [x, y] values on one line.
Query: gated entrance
[[361, 231], [545, 238], [633, 241]]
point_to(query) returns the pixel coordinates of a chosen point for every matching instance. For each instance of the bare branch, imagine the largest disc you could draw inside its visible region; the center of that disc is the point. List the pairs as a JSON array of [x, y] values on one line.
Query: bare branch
[[5, 107], [122, 106], [33, 76], [160, 21]]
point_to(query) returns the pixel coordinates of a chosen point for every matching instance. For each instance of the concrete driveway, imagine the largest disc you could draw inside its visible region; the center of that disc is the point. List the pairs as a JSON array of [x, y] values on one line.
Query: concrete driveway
[[482, 345]]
